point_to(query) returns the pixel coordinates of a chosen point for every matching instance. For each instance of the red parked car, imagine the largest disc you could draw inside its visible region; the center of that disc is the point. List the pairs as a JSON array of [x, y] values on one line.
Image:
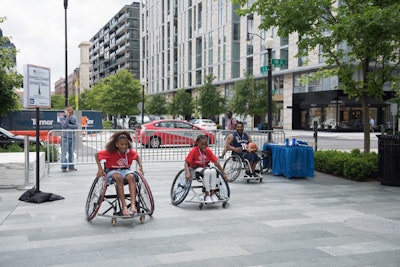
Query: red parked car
[[170, 133]]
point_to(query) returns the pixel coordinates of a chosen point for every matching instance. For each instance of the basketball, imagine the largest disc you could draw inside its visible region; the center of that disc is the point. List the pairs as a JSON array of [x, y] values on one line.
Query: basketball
[[251, 147]]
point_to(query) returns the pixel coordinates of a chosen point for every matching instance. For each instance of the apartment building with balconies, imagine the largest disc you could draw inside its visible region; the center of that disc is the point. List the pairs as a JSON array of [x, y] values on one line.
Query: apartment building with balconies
[[116, 45], [183, 41]]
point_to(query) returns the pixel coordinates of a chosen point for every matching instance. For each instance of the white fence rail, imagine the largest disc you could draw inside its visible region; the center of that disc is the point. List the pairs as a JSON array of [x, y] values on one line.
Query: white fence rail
[[87, 143]]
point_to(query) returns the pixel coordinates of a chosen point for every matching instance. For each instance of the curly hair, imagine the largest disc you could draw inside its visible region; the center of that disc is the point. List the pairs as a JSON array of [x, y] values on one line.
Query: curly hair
[[122, 135]]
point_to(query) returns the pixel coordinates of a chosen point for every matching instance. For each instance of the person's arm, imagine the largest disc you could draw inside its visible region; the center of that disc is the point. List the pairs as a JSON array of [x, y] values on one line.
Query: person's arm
[[187, 170], [100, 170], [139, 162], [228, 144], [72, 122], [216, 163], [248, 137], [63, 122]]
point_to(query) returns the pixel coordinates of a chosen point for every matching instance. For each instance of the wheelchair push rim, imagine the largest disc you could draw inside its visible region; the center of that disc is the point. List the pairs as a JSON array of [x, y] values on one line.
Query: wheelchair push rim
[[233, 167], [180, 188], [95, 197]]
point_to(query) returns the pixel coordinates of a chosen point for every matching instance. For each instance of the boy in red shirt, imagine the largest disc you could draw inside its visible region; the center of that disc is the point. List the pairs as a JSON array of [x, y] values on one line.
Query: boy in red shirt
[[119, 156], [198, 159]]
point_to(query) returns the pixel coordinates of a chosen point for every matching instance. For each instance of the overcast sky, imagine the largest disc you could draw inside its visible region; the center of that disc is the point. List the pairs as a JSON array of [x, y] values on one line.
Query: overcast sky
[[37, 28]]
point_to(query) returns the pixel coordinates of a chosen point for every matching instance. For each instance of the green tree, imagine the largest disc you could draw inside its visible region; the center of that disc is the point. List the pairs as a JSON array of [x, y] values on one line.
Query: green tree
[[210, 101], [95, 96], [84, 100], [9, 79], [57, 102], [250, 97], [181, 104], [368, 27], [122, 94], [157, 105]]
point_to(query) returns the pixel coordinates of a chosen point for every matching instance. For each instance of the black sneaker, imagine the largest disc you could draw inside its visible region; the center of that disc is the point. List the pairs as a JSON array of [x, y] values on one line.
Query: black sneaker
[[249, 174], [64, 170]]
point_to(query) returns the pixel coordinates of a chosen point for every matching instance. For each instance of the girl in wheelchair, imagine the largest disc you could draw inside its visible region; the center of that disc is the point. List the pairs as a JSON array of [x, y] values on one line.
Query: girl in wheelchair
[[198, 160], [119, 156]]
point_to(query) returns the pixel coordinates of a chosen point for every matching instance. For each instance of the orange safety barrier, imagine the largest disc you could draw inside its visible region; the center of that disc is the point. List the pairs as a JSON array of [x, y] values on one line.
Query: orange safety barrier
[[43, 135]]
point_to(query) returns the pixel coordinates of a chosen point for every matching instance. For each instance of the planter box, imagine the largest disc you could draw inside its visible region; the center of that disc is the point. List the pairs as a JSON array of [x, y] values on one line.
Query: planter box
[[12, 169]]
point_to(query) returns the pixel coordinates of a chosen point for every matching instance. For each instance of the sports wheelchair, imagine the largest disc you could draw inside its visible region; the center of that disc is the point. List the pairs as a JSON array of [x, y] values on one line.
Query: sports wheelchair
[[97, 195], [236, 164], [181, 186]]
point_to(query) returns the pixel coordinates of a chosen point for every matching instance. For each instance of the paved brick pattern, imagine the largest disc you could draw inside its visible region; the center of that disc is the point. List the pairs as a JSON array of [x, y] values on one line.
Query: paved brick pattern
[[325, 221]]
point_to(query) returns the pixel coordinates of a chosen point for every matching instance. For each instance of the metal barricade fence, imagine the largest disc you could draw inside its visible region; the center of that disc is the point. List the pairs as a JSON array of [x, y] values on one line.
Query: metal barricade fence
[[174, 144]]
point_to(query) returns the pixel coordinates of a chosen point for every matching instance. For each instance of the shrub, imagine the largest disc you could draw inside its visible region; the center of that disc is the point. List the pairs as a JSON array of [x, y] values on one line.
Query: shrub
[[354, 165], [107, 124], [53, 153], [12, 148]]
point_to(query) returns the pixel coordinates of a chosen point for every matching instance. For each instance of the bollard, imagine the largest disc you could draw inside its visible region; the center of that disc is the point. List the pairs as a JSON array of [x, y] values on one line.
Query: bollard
[[26, 151], [315, 135]]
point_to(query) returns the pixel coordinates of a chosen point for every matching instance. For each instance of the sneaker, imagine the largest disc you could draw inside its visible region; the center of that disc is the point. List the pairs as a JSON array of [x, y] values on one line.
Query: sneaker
[[248, 174], [256, 175], [73, 169], [64, 170], [207, 199], [214, 198]]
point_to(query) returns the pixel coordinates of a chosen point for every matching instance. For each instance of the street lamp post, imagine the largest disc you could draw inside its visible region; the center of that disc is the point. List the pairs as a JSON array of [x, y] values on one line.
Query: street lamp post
[[66, 54], [268, 45], [143, 83]]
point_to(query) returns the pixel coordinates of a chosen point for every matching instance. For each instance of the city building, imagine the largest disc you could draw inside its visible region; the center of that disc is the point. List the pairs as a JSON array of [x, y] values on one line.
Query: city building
[[78, 80], [183, 41], [116, 45]]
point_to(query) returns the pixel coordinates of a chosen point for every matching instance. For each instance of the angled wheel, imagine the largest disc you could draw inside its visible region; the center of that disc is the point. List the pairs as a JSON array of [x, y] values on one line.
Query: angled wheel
[[223, 192], [144, 197], [233, 167], [95, 197], [180, 188]]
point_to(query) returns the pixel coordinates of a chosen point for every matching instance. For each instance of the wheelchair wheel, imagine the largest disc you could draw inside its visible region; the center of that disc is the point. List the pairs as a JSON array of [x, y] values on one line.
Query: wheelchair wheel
[[95, 197], [180, 188], [233, 167], [144, 197], [223, 192]]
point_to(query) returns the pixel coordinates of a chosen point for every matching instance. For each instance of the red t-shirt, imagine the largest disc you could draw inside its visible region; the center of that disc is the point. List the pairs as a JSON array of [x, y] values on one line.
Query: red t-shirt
[[117, 160], [198, 158]]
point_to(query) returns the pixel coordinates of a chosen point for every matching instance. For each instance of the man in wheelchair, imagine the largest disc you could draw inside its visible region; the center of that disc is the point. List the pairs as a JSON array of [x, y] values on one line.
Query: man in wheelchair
[[237, 142], [119, 156], [198, 160]]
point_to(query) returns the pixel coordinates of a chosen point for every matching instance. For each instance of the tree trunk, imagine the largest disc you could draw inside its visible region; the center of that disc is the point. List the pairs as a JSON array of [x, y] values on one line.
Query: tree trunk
[[365, 114]]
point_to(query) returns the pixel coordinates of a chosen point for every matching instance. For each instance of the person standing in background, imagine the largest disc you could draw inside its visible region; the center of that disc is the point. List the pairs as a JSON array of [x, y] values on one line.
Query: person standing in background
[[371, 124], [68, 122], [230, 126], [230, 122]]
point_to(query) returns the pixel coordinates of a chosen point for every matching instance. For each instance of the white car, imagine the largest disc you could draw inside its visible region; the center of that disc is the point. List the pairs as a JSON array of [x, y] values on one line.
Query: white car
[[207, 124]]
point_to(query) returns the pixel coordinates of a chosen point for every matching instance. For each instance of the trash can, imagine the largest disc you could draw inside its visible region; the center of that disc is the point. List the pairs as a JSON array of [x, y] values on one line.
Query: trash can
[[388, 159]]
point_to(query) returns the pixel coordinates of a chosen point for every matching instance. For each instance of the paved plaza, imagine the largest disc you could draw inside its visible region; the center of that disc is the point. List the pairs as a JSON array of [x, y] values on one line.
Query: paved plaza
[[324, 221]]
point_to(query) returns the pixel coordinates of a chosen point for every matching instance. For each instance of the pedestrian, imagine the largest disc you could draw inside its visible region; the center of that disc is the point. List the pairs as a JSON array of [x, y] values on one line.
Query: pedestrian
[[371, 124], [119, 155], [68, 122], [230, 122], [198, 160], [230, 126]]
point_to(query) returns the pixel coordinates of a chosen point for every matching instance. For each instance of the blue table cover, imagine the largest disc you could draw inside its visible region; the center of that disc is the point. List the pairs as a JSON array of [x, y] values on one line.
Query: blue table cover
[[291, 161]]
